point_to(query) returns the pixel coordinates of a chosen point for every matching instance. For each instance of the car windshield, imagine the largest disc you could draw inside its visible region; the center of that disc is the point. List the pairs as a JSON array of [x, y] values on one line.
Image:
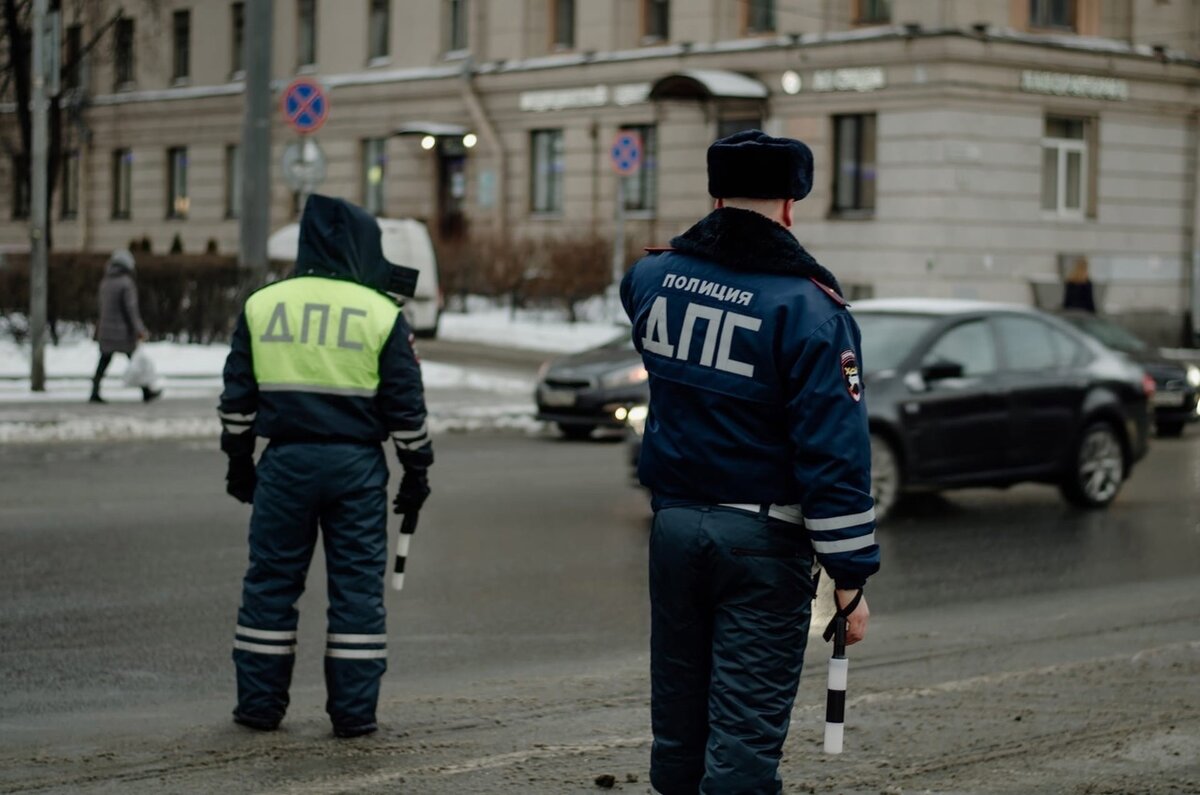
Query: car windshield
[[887, 339], [1109, 333]]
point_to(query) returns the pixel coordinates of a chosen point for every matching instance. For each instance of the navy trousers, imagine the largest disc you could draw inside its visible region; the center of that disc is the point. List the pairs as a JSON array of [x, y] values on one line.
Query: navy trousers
[[342, 489], [731, 596]]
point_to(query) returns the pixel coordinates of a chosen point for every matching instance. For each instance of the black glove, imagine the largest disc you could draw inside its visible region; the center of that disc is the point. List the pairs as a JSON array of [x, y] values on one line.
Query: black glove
[[240, 478], [414, 490]]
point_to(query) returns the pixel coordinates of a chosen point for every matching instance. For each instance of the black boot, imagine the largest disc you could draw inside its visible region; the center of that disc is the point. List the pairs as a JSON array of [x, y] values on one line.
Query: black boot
[[95, 398], [149, 394]]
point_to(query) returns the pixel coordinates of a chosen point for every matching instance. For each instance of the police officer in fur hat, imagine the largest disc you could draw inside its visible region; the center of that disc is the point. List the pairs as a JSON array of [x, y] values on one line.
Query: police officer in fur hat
[[757, 455]]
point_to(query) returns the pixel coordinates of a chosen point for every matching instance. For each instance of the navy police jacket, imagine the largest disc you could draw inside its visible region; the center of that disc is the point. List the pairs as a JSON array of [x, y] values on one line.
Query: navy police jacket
[[755, 387], [326, 355]]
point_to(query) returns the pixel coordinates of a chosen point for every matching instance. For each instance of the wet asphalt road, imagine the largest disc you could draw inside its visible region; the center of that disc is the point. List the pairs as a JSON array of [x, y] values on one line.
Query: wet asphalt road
[[121, 565]]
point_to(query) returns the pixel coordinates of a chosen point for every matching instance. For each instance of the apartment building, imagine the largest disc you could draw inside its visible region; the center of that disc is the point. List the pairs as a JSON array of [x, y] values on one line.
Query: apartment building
[[965, 149]]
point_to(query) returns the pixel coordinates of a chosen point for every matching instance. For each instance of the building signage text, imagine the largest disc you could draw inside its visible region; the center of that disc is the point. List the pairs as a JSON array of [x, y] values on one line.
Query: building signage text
[[866, 79], [589, 97], [1068, 85]]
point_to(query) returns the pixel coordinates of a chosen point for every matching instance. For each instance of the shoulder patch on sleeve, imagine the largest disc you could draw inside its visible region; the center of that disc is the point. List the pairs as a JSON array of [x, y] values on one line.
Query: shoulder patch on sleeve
[[658, 249], [829, 291], [850, 375]]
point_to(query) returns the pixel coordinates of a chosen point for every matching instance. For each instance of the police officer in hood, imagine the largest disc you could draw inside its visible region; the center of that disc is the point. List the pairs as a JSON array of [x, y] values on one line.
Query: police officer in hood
[[322, 366], [756, 453]]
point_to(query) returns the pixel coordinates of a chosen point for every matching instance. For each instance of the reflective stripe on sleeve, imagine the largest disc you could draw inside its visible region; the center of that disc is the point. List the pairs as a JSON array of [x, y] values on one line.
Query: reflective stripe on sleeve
[[319, 389], [237, 428], [262, 648], [845, 545], [357, 654], [238, 418], [340, 638], [840, 522], [404, 436], [415, 444], [266, 634]]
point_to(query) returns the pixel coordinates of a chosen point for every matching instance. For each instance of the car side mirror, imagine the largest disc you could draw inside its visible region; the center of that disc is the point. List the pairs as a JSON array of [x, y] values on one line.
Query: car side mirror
[[942, 370]]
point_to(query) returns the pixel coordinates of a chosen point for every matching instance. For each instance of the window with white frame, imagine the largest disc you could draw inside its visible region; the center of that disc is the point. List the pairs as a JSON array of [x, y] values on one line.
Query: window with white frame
[[380, 29], [181, 27], [233, 181], [123, 66], [873, 12], [546, 171], [1065, 186], [1052, 14], [656, 20], [563, 32], [122, 183], [374, 168], [237, 14], [69, 200], [456, 25], [760, 16], [178, 202], [641, 187], [306, 32], [854, 163]]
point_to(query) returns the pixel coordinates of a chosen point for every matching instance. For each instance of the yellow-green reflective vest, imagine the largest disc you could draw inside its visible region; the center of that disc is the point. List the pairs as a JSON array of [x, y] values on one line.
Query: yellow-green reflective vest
[[312, 334]]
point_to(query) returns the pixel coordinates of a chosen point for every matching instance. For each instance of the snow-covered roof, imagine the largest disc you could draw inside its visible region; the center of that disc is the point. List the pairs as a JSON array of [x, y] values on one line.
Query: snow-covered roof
[[708, 83], [439, 128]]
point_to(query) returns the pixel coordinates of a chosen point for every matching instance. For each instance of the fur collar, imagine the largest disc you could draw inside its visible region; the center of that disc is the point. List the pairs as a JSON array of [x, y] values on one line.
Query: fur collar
[[746, 241]]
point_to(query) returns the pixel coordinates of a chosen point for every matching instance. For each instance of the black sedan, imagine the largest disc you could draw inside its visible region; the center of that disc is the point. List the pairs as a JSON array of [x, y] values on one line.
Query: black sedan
[[593, 389], [963, 393], [1178, 383]]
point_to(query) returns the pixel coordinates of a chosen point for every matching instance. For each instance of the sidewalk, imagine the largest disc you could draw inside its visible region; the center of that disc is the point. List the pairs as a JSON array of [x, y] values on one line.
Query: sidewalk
[[458, 399]]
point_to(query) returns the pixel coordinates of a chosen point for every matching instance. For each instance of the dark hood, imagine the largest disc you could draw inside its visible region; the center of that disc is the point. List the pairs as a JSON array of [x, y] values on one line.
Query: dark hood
[[341, 241], [747, 241]]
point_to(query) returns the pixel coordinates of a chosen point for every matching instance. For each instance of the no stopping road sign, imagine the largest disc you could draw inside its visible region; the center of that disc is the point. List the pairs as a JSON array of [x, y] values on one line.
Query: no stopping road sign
[[626, 153], [305, 105]]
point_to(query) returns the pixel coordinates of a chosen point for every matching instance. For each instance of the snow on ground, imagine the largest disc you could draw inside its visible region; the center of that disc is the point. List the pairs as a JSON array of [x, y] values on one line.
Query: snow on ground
[[531, 329], [459, 398]]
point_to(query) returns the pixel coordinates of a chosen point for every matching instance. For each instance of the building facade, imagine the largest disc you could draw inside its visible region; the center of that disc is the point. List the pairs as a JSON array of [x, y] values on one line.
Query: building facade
[[969, 149]]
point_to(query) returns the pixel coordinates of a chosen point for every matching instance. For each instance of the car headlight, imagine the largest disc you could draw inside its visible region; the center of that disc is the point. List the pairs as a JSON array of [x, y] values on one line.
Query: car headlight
[[636, 419], [626, 376], [1193, 375]]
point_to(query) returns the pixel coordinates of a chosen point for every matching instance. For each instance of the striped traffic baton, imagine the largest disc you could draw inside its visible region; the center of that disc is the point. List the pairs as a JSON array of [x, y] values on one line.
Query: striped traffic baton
[[407, 528], [839, 666]]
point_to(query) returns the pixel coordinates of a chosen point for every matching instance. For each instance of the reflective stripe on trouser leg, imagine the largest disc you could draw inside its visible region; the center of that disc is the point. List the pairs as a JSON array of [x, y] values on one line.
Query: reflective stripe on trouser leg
[[761, 615], [354, 531], [680, 651], [282, 538]]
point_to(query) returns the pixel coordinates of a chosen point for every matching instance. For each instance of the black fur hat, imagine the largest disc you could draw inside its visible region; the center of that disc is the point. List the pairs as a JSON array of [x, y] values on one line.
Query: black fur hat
[[753, 165]]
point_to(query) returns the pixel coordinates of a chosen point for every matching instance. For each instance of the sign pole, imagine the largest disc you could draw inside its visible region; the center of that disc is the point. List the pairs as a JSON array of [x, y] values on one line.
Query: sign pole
[[618, 253], [626, 156], [256, 140], [39, 198]]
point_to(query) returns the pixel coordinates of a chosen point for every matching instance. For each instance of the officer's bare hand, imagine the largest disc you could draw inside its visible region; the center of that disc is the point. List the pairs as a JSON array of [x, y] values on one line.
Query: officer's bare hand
[[856, 622]]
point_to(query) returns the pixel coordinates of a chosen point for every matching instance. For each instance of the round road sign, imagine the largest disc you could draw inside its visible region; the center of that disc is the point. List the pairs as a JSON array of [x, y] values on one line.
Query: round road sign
[[626, 153], [305, 105]]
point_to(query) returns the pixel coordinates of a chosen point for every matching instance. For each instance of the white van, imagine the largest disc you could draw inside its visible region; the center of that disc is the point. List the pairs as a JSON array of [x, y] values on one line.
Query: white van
[[405, 242]]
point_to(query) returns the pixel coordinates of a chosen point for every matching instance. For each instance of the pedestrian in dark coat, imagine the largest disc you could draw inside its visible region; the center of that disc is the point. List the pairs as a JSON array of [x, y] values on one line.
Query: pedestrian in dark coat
[[120, 327], [1078, 292]]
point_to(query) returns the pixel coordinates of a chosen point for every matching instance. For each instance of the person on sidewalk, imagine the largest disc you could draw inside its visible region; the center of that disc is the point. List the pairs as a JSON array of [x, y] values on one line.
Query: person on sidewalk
[[1078, 292], [322, 366], [120, 327], [757, 456]]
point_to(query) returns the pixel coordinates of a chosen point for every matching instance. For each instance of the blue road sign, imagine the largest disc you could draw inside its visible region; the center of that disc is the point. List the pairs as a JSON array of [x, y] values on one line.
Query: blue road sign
[[627, 153], [305, 105]]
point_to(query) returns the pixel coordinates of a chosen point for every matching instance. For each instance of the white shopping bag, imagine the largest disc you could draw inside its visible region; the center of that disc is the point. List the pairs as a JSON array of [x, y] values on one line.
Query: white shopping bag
[[141, 371]]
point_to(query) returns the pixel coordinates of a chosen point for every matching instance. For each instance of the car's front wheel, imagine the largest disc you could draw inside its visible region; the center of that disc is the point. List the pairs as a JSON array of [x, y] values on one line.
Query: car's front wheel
[[885, 476], [1097, 469], [1170, 429]]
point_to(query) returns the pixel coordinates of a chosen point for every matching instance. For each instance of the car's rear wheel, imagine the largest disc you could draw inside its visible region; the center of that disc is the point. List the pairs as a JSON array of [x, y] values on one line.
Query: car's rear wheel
[[1170, 429], [885, 476], [576, 431], [1097, 468]]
